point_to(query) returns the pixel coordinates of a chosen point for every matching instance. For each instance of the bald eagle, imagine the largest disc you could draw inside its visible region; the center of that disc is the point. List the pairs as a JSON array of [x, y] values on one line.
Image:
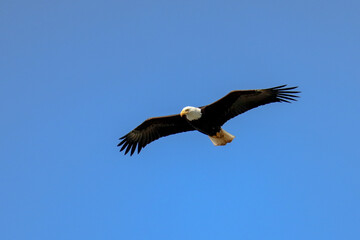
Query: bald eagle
[[207, 119]]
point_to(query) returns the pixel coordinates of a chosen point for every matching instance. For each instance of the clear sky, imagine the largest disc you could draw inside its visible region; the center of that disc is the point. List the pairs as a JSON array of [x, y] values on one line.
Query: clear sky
[[77, 75]]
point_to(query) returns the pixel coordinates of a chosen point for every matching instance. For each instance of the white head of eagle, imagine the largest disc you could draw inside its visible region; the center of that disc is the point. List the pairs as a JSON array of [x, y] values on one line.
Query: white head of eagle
[[191, 113]]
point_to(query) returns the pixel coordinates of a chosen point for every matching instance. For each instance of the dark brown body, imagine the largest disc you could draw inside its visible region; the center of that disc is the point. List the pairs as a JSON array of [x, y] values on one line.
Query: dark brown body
[[204, 124]]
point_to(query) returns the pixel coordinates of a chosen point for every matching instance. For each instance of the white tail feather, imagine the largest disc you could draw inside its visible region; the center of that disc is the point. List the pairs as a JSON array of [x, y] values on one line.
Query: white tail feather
[[221, 138]]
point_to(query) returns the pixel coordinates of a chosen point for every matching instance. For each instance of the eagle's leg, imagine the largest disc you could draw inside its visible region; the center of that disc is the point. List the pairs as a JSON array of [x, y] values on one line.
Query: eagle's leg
[[221, 138]]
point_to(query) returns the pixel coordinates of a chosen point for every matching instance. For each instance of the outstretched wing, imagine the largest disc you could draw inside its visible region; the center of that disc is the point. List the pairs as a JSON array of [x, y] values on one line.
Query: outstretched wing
[[152, 129], [240, 101]]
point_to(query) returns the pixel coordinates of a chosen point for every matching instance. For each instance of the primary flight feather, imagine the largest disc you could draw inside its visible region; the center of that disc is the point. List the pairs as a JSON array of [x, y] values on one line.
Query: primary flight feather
[[207, 119]]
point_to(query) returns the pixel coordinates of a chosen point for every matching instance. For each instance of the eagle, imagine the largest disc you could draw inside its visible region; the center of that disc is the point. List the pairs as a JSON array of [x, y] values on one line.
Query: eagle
[[206, 119]]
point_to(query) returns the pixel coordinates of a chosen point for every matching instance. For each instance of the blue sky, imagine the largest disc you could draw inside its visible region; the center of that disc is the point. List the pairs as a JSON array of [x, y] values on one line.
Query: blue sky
[[77, 75]]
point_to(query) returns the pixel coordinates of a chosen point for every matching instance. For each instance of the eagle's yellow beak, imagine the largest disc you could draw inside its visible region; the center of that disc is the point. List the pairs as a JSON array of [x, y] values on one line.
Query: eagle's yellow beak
[[182, 113]]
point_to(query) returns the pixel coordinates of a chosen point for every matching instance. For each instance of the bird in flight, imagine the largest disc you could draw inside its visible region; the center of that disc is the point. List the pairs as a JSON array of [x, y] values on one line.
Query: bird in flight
[[206, 119]]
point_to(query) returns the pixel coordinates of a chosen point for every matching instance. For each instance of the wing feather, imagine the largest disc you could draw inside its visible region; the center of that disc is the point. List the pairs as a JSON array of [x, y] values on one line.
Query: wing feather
[[240, 101], [151, 130]]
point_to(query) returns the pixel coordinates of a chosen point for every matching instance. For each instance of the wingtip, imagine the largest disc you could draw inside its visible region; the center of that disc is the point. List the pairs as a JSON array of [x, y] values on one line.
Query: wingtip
[[129, 147], [285, 94], [281, 86]]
